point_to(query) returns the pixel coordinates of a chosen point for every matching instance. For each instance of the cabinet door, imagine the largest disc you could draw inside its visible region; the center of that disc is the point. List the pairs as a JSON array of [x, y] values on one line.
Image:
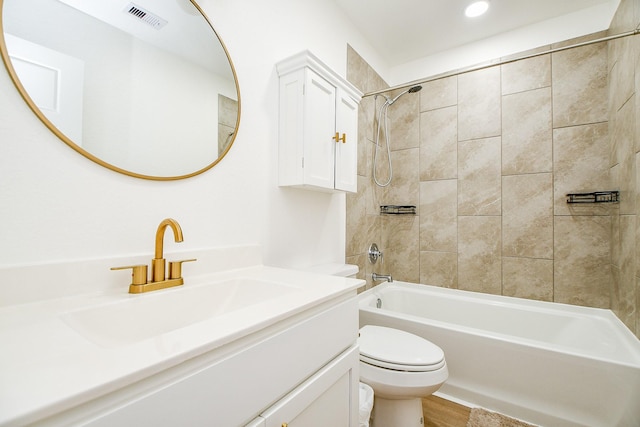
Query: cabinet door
[[346, 172], [328, 398], [319, 129]]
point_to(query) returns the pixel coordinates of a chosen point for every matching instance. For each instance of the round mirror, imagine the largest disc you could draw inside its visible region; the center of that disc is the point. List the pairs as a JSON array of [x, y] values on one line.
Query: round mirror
[[145, 88]]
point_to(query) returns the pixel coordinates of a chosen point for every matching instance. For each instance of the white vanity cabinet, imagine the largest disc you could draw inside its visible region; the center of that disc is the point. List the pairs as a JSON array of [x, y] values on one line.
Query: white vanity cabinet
[[300, 371], [318, 126], [325, 399]]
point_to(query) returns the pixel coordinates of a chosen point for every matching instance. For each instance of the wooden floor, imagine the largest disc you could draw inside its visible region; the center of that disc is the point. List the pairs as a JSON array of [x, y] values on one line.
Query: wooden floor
[[439, 412]]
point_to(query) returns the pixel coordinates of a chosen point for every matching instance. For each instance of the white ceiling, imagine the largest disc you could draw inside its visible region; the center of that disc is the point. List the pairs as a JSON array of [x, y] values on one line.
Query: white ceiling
[[405, 30]]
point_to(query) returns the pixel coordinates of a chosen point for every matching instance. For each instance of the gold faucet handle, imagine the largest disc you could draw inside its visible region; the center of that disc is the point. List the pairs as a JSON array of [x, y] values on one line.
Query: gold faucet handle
[[175, 268], [138, 273]]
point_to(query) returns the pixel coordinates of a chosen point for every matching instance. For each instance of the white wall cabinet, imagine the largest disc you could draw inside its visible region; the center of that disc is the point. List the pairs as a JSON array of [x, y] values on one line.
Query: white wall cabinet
[[318, 126]]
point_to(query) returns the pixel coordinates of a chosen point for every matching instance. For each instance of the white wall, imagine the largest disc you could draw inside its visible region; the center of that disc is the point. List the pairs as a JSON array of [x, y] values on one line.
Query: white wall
[[300, 228], [57, 205]]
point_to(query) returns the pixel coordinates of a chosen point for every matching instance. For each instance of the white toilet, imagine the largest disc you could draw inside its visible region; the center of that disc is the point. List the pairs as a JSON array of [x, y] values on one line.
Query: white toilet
[[402, 368]]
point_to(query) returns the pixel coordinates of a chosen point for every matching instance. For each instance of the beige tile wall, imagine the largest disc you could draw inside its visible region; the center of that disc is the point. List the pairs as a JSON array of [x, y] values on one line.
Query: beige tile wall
[[623, 69], [488, 156], [363, 220]]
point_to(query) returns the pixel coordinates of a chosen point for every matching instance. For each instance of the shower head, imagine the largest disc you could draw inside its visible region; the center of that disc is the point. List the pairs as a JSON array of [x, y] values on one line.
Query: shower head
[[413, 89]]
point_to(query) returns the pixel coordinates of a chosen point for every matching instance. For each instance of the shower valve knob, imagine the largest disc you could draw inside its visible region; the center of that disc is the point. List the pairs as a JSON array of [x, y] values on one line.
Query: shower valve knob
[[374, 254]]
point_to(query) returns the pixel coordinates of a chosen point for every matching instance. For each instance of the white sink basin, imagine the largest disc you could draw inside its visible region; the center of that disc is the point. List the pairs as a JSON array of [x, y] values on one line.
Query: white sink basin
[[145, 316]]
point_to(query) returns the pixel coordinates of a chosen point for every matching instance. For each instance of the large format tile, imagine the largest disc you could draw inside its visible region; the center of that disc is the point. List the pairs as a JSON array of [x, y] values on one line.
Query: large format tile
[[366, 113], [439, 215], [582, 267], [615, 243], [404, 122], [580, 164], [526, 74], [479, 97], [623, 293], [527, 132], [580, 85], [623, 139], [361, 75], [439, 144], [439, 269], [479, 260], [527, 278], [400, 247], [621, 76], [479, 177], [362, 227], [357, 70], [405, 185], [527, 216], [439, 93]]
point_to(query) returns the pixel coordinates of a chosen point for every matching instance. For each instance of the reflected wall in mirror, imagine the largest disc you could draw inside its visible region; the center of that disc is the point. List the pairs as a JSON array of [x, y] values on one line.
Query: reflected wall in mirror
[[144, 88]]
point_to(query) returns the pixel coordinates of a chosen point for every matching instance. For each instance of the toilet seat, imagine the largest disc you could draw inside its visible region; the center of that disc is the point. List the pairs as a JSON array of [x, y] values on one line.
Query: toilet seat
[[398, 350]]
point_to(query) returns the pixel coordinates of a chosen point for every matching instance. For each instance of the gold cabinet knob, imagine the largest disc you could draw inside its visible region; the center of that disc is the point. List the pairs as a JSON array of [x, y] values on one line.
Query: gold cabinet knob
[[337, 137], [138, 273]]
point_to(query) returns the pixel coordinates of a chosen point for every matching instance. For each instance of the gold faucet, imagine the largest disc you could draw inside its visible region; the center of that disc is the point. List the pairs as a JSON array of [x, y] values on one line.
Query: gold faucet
[[158, 280]]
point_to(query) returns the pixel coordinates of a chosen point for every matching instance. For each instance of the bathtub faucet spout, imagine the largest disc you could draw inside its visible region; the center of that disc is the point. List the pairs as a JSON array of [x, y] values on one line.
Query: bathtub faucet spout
[[386, 277]]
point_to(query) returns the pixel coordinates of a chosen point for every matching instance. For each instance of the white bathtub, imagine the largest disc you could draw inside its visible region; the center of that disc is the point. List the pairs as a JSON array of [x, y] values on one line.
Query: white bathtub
[[546, 363]]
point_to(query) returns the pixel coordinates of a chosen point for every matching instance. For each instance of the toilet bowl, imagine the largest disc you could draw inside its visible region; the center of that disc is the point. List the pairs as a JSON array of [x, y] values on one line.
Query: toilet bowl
[[401, 368]]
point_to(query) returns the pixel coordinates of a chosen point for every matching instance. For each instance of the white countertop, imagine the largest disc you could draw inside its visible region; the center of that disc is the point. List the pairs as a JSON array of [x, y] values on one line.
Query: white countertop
[[46, 366]]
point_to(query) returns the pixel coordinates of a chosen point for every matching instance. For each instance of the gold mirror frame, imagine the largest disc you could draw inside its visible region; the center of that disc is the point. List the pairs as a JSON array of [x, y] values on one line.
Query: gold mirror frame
[[23, 92]]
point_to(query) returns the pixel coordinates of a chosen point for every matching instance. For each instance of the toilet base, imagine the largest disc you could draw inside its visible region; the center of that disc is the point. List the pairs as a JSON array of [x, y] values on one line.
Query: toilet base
[[395, 413]]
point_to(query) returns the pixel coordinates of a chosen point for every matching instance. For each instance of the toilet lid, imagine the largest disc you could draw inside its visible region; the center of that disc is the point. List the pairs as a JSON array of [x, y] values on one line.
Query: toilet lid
[[399, 350]]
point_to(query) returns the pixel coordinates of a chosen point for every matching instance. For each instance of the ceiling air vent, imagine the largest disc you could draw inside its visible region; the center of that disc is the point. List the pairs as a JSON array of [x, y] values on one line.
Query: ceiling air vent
[[145, 16]]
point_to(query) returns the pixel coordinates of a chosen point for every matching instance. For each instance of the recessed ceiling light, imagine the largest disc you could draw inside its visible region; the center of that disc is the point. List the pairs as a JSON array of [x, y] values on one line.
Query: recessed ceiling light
[[476, 8]]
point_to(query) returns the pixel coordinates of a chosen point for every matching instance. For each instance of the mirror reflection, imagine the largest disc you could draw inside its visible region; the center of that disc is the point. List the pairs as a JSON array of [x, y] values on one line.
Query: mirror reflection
[[144, 87]]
